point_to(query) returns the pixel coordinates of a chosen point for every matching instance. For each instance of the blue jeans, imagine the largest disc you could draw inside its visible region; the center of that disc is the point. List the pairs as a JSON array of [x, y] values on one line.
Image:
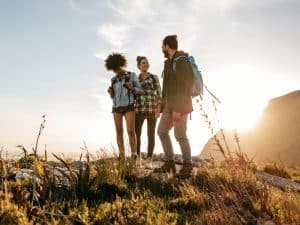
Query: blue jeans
[[165, 125]]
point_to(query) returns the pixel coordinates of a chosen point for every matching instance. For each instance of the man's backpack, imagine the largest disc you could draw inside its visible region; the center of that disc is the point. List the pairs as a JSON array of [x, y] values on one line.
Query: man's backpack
[[197, 88]]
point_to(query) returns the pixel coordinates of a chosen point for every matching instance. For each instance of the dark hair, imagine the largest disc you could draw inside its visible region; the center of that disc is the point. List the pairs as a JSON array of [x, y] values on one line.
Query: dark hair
[[171, 41], [139, 60], [115, 61]]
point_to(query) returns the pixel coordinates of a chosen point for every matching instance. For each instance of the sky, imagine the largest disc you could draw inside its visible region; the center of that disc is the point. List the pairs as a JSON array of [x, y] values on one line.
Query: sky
[[52, 62]]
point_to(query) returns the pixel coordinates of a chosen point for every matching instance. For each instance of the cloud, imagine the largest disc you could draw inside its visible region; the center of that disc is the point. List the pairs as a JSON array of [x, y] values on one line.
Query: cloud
[[115, 35], [138, 27], [134, 10], [73, 4], [100, 55], [218, 33]]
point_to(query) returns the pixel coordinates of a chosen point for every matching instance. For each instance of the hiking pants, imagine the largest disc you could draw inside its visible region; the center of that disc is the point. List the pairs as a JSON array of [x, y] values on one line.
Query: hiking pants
[[165, 125], [151, 122]]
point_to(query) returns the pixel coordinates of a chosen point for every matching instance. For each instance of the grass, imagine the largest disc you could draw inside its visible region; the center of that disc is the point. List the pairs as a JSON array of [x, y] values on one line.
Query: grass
[[109, 191], [277, 170]]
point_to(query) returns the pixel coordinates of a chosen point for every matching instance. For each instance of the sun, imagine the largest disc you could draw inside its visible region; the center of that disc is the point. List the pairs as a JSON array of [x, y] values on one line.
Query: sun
[[241, 121], [244, 93]]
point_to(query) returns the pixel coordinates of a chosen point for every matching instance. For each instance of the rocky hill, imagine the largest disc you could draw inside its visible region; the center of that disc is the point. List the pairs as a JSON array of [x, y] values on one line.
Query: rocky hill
[[276, 136]]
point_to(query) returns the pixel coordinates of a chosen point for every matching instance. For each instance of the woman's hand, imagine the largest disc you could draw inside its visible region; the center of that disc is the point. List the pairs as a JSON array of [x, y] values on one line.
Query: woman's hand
[[129, 85], [110, 90]]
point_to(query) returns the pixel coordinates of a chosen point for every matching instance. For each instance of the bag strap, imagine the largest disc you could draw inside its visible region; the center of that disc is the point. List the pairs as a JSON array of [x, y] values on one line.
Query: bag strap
[[113, 81], [154, 80], [127, 76], [127, 79], [176, 59]]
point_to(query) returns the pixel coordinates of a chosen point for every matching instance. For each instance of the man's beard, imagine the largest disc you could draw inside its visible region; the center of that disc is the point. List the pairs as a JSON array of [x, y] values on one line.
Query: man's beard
[[166, 54]]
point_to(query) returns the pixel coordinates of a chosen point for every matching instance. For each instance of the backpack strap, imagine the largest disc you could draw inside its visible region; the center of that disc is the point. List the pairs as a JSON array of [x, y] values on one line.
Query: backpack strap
[[127, 76], [113, 81], [127, 79], [176, 59], [153, 80]]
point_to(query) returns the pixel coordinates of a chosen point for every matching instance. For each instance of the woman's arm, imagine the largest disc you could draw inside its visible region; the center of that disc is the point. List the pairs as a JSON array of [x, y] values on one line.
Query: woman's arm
[[136, 84]]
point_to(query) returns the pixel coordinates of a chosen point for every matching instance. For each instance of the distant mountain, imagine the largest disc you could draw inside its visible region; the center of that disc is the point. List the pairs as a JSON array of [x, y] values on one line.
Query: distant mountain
[[276, 136]]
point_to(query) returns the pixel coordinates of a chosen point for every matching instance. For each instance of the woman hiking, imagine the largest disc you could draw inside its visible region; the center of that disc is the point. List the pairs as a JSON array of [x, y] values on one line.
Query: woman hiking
[[124, 86], [147, 107]]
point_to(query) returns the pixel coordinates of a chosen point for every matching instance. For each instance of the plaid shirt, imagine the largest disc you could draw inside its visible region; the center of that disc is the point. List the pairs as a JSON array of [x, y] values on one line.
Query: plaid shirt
[[147, 103]]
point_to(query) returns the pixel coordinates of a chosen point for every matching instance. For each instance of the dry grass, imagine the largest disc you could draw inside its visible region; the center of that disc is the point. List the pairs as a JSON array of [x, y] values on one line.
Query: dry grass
[[277, 170], [103, 192], [108, 191]]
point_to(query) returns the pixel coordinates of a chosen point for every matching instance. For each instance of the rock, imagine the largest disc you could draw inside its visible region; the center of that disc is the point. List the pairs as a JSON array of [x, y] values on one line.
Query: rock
[[21, 176], [26, 174], [268, 222], [285, 184], [158, 157]]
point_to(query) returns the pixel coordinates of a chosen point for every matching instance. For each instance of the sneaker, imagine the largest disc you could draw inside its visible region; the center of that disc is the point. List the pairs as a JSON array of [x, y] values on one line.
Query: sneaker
[[186, 171], [134, 160], [167, 167], [148, 163]]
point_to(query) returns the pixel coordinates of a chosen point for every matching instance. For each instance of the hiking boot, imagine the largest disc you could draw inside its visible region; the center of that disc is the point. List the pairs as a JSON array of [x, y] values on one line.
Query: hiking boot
[[167, 167], [186, 171]]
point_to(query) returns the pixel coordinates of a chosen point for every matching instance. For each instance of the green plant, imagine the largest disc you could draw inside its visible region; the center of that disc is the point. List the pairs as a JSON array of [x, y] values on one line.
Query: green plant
[[80, 180]]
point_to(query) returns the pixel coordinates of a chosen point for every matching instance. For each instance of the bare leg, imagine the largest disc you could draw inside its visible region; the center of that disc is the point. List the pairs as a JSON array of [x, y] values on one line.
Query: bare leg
[[118, 118], [130, 124]]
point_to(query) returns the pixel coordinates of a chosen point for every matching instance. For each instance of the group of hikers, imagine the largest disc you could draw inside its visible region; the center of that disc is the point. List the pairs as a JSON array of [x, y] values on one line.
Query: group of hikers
[[140, 98]]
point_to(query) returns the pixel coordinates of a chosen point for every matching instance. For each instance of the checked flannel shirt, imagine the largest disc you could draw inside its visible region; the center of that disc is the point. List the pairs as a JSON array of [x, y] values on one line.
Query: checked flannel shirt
[[147, 103]]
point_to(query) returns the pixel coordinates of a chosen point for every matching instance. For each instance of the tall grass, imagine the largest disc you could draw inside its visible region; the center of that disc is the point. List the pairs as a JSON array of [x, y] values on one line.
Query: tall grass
[[106, 190], [98, 193]]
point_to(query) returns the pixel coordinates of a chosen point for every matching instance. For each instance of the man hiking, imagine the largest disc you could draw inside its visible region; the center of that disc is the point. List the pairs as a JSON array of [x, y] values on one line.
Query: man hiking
[[176, 105]]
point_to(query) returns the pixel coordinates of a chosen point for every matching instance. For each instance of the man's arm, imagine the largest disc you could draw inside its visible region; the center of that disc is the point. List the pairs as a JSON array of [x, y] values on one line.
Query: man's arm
[[184, 80], [159, 95]]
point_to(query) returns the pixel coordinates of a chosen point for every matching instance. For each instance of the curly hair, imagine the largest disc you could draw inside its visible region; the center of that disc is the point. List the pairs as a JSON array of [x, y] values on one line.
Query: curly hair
[[115, 61]]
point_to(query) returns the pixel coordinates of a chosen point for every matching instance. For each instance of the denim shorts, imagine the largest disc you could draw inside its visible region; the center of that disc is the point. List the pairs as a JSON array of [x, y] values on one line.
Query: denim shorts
[[123, 109]]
